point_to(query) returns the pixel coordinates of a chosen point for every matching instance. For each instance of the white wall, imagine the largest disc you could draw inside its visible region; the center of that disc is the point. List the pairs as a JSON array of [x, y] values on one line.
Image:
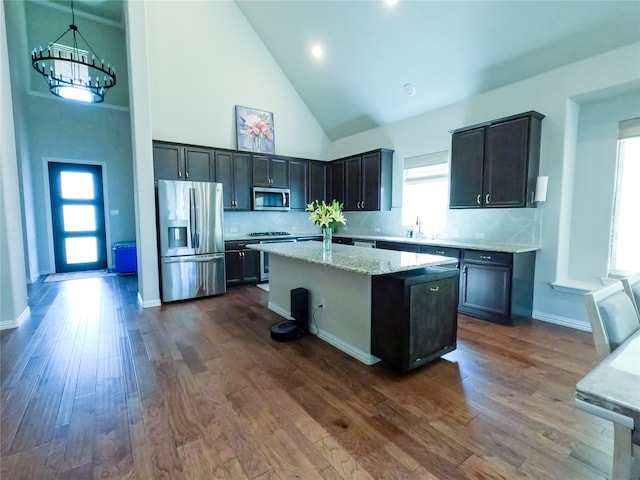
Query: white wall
[[13, 283], [551, 94], [594, 183], [204, 59]]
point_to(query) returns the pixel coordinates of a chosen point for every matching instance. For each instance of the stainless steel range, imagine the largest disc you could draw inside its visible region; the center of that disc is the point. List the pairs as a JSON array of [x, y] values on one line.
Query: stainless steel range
[[269, 237]]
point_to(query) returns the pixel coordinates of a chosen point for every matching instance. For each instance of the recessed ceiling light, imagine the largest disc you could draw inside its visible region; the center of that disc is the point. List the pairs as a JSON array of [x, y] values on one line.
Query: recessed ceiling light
[[391, 3], [409, 90], [316, 51]]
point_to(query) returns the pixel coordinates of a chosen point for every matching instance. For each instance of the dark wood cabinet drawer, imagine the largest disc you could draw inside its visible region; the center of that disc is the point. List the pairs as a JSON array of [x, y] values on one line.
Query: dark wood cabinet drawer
[[482, 256], [444, 251], [237, 245]]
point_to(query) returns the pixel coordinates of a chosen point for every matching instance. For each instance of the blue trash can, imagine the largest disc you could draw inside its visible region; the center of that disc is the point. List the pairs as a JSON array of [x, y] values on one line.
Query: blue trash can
[[125, 258]]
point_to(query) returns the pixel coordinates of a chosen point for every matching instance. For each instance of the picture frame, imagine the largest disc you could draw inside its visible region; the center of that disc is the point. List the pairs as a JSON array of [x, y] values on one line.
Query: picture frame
[[254, 130]]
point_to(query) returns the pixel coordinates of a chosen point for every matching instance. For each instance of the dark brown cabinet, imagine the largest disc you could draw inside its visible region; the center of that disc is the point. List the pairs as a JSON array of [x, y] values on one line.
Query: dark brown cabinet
[[298, 183], [270, 171], [362, 182], [318, 181], [497, 286], [233, 170], [414, 316], [242, 265], [495, 164], [335, 181], [367, 181], [182, 162]]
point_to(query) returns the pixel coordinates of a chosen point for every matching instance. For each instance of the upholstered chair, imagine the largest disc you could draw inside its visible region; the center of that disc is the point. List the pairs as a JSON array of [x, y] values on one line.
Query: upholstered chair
[[631, 285], [614, 318]]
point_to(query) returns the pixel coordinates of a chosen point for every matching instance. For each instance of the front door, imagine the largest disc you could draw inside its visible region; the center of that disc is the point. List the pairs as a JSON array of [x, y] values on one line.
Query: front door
[[77, 215]]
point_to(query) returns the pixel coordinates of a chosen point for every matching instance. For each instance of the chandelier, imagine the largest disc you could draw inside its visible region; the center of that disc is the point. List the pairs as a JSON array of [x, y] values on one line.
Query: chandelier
[[68, 70]]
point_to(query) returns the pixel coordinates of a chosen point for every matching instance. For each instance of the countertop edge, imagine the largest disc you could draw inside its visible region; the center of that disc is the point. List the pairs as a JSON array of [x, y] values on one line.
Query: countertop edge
[[451, 243], [428, 260]]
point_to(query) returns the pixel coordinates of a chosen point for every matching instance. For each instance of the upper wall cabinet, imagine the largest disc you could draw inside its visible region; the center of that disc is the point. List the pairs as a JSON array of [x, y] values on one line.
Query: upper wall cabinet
[[367, 181], [182, 162], [270, 171], [495, 164], [318, 180], [299, 183], [233, 170]]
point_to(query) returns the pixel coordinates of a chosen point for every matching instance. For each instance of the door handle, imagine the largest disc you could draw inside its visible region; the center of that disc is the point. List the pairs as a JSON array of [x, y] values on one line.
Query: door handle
[[478, 198], [192, 220], [434, 289], [486, 199]]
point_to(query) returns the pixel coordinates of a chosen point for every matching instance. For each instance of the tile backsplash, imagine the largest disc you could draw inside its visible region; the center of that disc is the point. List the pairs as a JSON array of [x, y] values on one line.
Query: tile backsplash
[[496, 225]]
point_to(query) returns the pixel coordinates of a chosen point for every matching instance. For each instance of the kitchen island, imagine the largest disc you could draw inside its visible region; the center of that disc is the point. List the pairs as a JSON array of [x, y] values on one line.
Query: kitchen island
[[340, 284]]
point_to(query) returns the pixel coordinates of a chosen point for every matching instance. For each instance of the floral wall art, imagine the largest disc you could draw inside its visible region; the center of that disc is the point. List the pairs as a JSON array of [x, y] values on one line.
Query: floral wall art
[[254, 130]]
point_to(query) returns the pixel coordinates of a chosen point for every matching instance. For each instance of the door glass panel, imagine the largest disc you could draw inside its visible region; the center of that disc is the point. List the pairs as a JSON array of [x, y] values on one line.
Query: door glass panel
[[77, 185], [81, 249], [79, 218]]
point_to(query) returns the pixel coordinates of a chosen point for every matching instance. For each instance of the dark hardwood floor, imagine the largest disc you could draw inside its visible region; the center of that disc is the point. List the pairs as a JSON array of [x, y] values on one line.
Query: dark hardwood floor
[[95, 387]]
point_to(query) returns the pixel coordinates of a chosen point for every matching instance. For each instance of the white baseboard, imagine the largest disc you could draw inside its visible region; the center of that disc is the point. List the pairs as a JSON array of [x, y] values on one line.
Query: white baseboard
[[347, 348], [279, 310], [15, 323], [564, 321], [149, 303]]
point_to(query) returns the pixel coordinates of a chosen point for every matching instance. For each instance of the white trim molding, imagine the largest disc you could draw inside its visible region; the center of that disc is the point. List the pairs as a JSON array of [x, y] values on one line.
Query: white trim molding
[[150, 303], [347, 348], [564, 321], [16, 322]]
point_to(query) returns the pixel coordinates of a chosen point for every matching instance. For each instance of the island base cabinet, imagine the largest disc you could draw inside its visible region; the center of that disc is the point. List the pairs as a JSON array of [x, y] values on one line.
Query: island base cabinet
[[414, 316]]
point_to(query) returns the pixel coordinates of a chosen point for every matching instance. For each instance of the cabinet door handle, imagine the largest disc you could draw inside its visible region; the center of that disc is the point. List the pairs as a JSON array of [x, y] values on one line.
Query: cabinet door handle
[[186, 174], [434, 289], [478, 198], [440, 252], [362, 204], [485, 257], [179, 173], [486, 199]]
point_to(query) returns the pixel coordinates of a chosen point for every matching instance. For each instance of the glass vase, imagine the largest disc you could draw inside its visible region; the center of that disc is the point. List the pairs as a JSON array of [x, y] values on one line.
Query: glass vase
[[326, 238]]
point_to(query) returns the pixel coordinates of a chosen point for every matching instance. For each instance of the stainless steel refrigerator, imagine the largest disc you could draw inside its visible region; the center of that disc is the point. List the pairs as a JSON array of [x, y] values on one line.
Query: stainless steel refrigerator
[[191, 239]]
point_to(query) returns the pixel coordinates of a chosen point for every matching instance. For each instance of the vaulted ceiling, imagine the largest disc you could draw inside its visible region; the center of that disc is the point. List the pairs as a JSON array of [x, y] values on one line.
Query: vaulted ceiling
[[448, 50]]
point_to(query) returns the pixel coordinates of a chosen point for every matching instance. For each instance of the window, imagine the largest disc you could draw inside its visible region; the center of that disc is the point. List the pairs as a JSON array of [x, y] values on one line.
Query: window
[[425, 192], [624, 256]]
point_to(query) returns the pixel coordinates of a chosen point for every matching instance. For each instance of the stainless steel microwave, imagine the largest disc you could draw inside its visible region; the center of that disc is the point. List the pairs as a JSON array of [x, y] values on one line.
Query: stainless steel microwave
[[267, 198]]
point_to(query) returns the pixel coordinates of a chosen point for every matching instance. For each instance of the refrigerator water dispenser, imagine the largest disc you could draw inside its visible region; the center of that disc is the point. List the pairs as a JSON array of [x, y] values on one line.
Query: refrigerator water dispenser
[[177, 237]]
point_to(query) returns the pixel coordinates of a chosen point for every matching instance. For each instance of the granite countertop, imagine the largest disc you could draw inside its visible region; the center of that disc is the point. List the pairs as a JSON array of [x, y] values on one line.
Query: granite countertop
[[439, 242], [363, 260], [455, 243], [614, 384]]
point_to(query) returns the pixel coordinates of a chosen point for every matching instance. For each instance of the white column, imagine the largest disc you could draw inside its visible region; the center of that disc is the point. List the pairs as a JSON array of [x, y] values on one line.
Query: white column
[[13, 279], [141, 136]]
